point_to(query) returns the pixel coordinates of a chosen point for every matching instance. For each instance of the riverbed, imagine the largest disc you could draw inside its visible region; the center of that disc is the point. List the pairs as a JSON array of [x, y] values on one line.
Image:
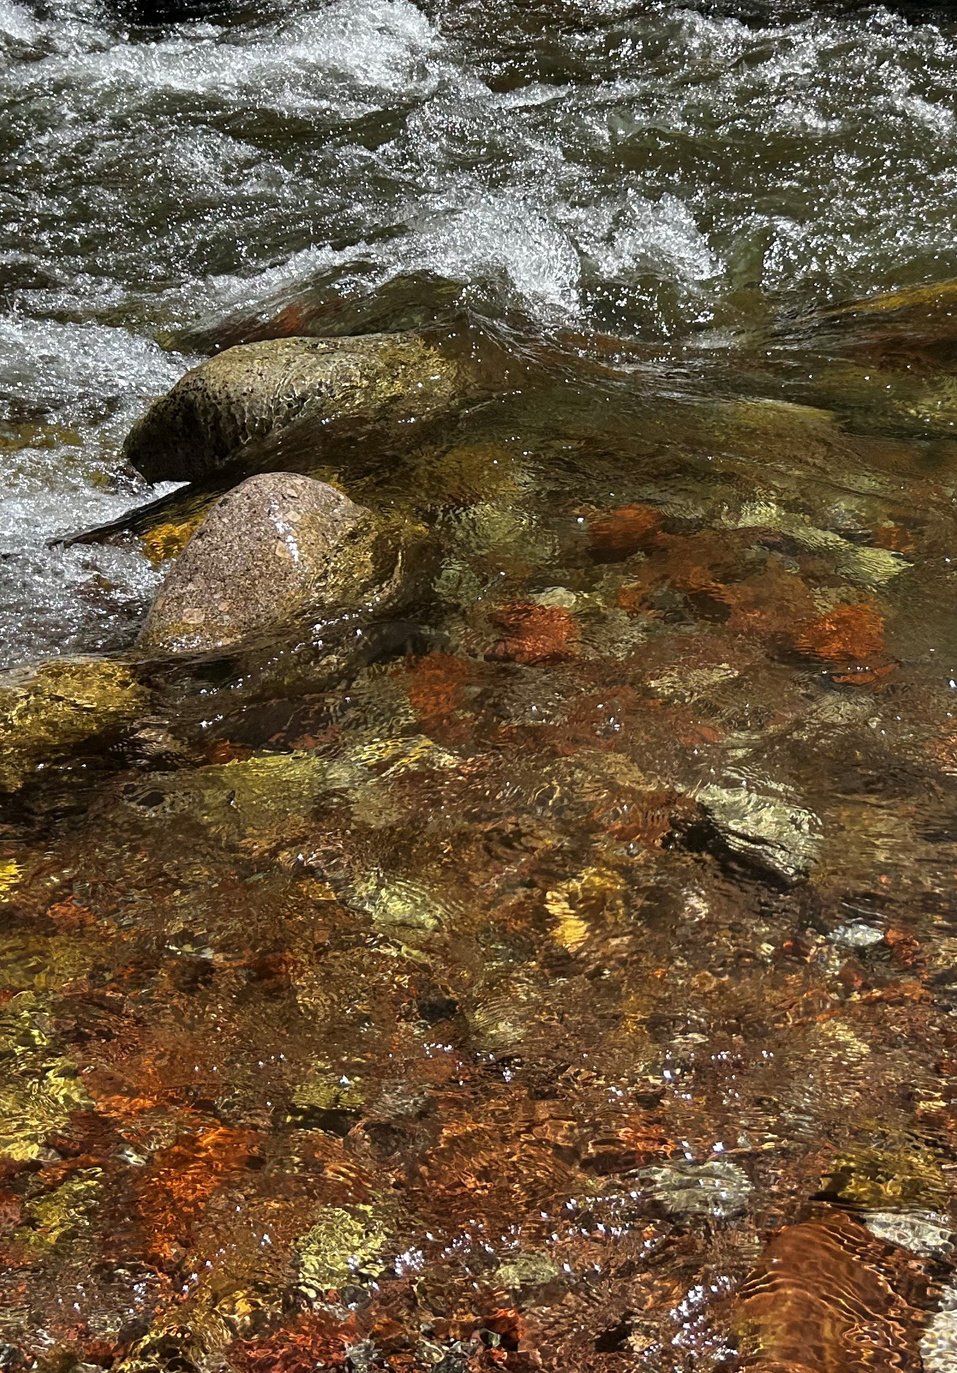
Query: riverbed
[[567, 980]]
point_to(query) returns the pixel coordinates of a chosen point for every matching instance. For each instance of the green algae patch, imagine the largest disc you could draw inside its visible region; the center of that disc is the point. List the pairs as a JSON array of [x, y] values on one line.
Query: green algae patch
[[34, 1104], [58, 706], [39, 1089], [328, 1090], [55, 1217]]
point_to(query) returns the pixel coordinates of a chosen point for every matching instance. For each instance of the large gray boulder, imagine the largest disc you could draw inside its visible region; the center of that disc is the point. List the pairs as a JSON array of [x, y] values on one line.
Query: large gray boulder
[[275, 548], [248, 392]]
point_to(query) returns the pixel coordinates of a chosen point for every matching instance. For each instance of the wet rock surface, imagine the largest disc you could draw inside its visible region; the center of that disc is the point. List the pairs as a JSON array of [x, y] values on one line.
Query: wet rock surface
[[831, 1298], [275, 549], [771, 833], [255, 390]]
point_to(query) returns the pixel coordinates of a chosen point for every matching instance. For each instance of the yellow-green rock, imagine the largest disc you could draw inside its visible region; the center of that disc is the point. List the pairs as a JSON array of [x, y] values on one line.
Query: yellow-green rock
[[339, 1245], [887, 1179], [48, 710]]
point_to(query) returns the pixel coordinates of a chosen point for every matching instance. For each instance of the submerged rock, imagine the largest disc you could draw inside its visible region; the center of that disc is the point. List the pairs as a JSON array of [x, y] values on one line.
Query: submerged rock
[[830, 1297], [51, 709], [916, 320], [767, 832], [276, 547], [716, 1187], [251, 390], [339, 1247]]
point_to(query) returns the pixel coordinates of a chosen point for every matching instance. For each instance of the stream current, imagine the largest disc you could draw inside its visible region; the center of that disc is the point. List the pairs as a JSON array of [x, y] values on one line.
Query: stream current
[[569, 982]]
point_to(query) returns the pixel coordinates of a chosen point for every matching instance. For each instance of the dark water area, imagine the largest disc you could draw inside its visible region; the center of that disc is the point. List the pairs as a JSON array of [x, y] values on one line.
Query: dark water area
[[559, 973]]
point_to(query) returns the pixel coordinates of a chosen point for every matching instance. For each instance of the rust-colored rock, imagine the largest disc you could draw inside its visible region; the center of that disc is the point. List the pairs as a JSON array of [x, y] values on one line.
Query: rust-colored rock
[[849, 638], [535, 633], [617, 534], [828, 1297]]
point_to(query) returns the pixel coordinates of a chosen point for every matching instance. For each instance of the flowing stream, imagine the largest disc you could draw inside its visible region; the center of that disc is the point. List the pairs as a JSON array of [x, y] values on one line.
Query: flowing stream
[[566, 982]]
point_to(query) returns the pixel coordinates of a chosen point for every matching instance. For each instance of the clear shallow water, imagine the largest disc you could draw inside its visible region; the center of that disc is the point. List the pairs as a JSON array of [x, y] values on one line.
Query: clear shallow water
[[571, 985]]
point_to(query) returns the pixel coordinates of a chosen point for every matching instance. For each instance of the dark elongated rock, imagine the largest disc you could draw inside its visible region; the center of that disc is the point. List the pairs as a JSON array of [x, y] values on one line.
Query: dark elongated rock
[[248, 392], [276, 547]]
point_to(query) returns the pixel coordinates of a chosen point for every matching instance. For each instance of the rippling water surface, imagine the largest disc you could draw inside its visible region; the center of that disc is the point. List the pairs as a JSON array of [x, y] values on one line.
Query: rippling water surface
[[566, 980]]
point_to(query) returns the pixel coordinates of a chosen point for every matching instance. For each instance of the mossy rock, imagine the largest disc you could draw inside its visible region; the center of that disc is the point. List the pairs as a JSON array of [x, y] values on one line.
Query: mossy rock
[[254, 389], [912, 327], [50, 710], [887, 1178]]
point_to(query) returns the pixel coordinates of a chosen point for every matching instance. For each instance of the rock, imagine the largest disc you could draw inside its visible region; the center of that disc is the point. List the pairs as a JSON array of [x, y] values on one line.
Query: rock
[[715, 1187], [768, 832], [828, 1297], [880, 1178], [927, 1233], [47, 711], [938, 1346], [917, 323], [860, 563], [249, 391], [276, 547], [340, 1247]]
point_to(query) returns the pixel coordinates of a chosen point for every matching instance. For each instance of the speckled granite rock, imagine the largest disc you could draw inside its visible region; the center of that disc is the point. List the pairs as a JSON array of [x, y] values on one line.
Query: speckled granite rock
[[277, 546]]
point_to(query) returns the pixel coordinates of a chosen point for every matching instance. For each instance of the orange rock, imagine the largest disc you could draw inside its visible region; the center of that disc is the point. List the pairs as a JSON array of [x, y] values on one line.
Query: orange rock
[[535, 634], [435, 683], [70, 915], [828, 1297], [768, 605], [289, 322], [183, 1179], [225, 751], [894, 537], [697, 565], [903, 945], [616, 534], [313, 1342], [850, 637]]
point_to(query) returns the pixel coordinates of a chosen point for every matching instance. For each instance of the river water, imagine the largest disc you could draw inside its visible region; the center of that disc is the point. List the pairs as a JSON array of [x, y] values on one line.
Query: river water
[[569, 984]]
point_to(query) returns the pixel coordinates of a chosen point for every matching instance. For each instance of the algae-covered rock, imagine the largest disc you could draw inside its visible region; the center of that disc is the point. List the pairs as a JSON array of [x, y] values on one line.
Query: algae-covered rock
[[887, 1178], [269, 799], [39, 1089], [527, 1272], [865, 564], [914, 323], [250, 390], [337, 1248], [48, 710], [275, 547]]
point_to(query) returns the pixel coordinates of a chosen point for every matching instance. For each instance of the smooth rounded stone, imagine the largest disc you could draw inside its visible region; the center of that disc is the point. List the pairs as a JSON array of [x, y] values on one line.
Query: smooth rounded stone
[[48, 710], [254, 389], [272, 549]]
